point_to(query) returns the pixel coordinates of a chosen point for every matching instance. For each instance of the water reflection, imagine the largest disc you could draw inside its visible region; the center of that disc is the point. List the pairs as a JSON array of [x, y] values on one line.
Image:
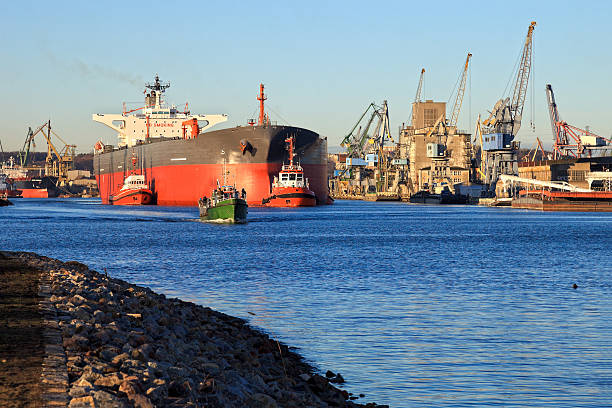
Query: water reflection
[[415, 306]]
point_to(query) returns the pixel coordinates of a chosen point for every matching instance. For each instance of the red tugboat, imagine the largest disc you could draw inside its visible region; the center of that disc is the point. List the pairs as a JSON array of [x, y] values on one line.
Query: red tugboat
[[290, 188], [134, 191]]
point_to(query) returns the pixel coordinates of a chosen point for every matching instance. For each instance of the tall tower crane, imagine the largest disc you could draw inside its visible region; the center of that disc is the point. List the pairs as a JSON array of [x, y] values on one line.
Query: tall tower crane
[[460, 92]]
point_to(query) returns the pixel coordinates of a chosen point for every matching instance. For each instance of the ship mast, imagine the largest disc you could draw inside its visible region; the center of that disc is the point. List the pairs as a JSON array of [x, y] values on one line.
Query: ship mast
[[157, 88], [289, 142], [224, 168], [261, 98], [134, 160]]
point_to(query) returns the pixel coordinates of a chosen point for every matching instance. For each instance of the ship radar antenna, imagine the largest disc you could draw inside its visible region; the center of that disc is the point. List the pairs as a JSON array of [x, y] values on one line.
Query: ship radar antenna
[[157, 89], [157, 85]]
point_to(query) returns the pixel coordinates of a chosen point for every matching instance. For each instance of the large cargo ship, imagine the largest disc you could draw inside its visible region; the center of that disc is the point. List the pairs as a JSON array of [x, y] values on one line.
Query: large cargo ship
[[30, 181], [182, 160]]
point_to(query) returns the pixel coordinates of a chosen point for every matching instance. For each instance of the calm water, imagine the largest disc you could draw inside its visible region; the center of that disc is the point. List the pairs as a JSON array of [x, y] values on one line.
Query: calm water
[[414, 305]]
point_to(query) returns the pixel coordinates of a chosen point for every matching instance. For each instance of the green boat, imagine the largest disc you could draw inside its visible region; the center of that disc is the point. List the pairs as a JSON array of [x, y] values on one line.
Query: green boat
[[224, 205]]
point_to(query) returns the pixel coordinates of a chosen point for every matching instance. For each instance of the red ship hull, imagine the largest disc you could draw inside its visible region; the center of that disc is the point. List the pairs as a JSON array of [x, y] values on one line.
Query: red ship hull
[[291, 197], [35, 193], [132, 197], [184, 185]]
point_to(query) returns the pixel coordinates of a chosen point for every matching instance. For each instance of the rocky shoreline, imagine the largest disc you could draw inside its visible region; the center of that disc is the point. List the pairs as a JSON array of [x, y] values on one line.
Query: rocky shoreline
[[122, 345]]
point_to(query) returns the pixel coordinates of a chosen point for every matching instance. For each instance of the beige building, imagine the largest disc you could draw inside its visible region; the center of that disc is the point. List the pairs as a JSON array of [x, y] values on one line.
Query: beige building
[[429, 176], [456, 145], [425, 114]]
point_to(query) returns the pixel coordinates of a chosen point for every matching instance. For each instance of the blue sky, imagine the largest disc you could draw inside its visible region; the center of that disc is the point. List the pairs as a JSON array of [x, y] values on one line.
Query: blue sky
[[322, 62]]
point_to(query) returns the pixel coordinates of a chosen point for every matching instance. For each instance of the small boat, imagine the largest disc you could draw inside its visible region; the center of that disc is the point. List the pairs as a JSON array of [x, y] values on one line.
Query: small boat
[[135, 190], [224, 204], [4, 201], [290, 188]]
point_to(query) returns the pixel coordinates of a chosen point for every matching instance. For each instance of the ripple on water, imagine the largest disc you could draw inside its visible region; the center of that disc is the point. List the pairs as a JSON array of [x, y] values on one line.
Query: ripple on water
[[414, 305]]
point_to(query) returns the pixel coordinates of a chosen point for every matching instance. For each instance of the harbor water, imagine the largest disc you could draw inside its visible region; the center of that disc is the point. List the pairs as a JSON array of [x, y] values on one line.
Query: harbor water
[[431, 306]]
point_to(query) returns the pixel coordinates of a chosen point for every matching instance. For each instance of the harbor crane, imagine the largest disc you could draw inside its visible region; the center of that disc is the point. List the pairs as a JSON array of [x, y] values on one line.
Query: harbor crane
[[504, 121], [417, 97], [506, 116], [57, 162], [533, 152], [460, 92], [355, 140], [443, 126], [568, 140]]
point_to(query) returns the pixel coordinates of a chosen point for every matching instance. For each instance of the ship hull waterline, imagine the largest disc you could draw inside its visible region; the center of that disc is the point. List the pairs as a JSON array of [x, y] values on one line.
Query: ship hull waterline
[[132, 197], [181, 171], [291, 197]]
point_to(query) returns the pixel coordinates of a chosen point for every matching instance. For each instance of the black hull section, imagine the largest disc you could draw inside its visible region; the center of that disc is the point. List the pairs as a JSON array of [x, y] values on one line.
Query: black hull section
[[38, 183], [182, 170]]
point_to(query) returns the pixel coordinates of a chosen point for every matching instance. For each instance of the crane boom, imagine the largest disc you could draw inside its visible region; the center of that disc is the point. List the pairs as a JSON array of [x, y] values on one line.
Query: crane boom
[[460, 92], [505, 117], [347, 138], [522, 77], [354, 142], [417, 97], [558, 137]]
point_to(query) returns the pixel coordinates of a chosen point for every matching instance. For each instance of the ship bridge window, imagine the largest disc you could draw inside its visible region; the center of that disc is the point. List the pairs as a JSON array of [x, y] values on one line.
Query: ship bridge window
[[284, 177], [300, 176], [292, 177]]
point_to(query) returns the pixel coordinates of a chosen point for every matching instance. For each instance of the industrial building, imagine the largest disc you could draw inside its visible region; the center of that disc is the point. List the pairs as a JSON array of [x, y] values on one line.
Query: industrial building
[[436, 153], [583, 172]]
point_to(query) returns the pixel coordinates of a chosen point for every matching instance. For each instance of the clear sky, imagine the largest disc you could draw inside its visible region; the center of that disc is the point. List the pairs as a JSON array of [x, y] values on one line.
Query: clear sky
[[322, 62]]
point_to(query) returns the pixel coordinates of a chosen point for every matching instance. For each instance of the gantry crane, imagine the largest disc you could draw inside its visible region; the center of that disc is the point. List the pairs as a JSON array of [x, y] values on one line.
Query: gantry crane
[[568, 140]]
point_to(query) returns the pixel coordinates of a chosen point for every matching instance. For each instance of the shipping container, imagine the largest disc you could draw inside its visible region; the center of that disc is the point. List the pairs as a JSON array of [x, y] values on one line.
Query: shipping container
[[352, 161]]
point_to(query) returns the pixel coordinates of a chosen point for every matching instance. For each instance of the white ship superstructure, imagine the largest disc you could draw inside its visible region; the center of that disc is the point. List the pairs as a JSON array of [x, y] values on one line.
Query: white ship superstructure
[[156, 120]]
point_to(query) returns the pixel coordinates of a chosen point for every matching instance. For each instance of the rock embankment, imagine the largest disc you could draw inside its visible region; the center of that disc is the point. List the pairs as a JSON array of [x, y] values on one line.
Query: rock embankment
[[128, 346]]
